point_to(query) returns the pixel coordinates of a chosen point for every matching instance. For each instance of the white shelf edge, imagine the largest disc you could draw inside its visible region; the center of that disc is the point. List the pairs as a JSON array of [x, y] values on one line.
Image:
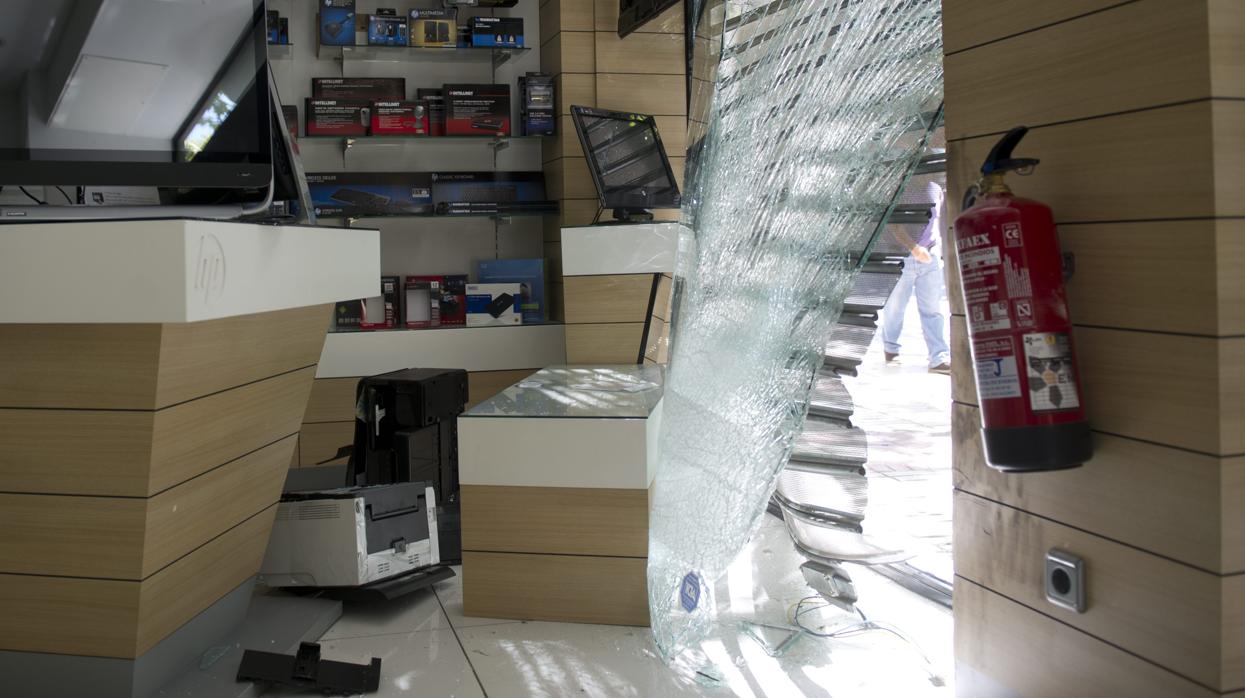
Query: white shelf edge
[[351, 354]]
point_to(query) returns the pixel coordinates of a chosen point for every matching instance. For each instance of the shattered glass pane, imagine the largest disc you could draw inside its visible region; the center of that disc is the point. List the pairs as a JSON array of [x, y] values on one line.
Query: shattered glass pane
[[817, 115]]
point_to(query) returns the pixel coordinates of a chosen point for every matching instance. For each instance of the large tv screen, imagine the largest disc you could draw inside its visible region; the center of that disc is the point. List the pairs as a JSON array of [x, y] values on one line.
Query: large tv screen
[[626, 158], [134, 93]]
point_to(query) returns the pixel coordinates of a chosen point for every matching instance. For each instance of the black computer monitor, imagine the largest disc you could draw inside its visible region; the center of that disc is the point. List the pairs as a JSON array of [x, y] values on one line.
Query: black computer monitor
[[628, 162]]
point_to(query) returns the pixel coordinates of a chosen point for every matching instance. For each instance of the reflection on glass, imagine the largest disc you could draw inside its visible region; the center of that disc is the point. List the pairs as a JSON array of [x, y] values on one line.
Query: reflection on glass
[[626, 391]]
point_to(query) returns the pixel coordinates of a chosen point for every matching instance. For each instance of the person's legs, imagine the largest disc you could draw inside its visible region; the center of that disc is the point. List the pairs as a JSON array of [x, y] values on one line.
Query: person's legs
[[929, 285], [893, 311]]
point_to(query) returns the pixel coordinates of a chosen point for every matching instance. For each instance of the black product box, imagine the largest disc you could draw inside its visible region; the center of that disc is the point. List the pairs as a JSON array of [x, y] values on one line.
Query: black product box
[[400, 118], [289, 112], [436, 109], [273, 25], [536, 105], [337, 22], [464, 35], [348, 315], [437, 27], [386, 28], [361, 89], [359, 194], [477, 110], [461, 193], [337, 117], [283, 31], [497, 32]]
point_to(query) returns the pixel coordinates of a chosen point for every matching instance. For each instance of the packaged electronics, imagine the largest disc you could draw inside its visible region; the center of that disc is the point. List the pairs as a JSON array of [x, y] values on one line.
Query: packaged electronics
[[337, 117], [383, 312], [536, 105], [422, 301], [436, 109], [289, 112], [273, 25], [467, 193], [407, 430], [386, 28], [436, 27], [528, 273], [464, 35], [347, 315], [283, 36], [359, 194], [493, 305], [400, 118], [337, 22], [359, 89], [477, 110], [454, 299], [501, 32], [349, 536]]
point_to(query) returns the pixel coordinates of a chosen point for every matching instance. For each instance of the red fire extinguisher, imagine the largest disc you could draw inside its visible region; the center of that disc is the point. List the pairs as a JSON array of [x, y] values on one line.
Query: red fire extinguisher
[[1032, 407]]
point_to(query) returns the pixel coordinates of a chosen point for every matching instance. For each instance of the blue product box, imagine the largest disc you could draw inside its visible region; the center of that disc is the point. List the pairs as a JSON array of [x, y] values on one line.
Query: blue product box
[[528, 273], [497, 32], [359, 194], [337, 23], [386, 30]]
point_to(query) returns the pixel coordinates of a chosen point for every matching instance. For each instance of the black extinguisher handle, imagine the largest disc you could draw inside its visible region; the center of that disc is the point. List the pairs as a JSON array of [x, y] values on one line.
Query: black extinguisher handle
[[1000, 158]]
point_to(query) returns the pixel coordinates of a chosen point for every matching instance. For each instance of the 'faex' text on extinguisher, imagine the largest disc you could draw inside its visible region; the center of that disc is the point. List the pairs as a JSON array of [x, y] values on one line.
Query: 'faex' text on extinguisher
[[1032, 407]]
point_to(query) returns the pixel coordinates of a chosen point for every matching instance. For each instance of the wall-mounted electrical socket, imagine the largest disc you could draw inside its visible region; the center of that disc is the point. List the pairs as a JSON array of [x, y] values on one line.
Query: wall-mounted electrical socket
[[1065, 580]]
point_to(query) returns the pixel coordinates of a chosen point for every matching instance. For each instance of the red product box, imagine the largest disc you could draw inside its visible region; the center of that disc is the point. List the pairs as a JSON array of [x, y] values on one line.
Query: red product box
[[382, 312], [337, 117], [359, 89], [422, 301], [454, 299], [436, 109], [399, 118]]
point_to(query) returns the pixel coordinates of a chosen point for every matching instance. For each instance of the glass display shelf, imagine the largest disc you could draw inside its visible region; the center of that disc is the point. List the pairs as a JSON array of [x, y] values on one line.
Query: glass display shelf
[[404, 54], [349, 142], [447, 328], [627, 391], [446, 216]]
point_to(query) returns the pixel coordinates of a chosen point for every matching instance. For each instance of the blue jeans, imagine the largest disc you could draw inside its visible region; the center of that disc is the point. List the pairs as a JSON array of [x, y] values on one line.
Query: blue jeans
[[927, 281]]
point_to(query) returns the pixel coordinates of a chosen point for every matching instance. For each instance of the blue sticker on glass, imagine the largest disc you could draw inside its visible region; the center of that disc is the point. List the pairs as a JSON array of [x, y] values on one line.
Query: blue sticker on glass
[[689, 592]]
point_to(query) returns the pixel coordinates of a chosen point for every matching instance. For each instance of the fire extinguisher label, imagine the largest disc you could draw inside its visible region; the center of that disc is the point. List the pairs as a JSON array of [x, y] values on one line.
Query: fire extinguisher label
[[1052, 386], [997, 375]]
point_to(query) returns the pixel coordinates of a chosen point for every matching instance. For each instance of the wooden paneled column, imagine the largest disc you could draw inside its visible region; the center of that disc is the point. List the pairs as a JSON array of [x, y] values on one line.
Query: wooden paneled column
[[1137, 113], [643, 73]]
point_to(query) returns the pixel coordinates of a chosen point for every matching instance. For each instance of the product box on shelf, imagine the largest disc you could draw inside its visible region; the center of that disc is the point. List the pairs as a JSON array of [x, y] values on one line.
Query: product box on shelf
[[477, 110], [499, 32], [347, 315], [386, 28], [464, 35], [359, 89], [537, 116], [273, 25], [283, 35], [337, 117], [435, 27], [337, 23], [422, 300], [360, 194], [436, 109], [400, 118], [528, 273], [465, 193], [493, 305], [454, 299], [383, 312]]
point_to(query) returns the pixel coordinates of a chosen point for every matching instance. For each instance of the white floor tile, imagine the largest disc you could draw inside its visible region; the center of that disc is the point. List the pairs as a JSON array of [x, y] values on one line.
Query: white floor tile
[[418, 664], [416, 612]]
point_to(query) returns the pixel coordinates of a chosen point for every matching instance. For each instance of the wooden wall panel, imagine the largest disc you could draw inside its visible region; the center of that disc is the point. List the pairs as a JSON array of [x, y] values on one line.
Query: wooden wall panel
[[482, 385], [644, 94], [574, 89], [568, 52], [193, 437], [565, 15], [560, 520], [1160, 610], [1035, 655], [617, 343], [668, 22], [968, 23], [640, 53], [198, 358], [318, 443], [1145, 165], [94, 452], [576, 588], [661, 304], [1164, 500], [612, 298], [1130, 57], [81, 366], [332, 400]]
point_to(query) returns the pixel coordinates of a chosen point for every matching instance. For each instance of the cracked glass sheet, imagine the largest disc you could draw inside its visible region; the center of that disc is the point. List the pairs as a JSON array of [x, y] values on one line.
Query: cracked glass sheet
[[807, 118]]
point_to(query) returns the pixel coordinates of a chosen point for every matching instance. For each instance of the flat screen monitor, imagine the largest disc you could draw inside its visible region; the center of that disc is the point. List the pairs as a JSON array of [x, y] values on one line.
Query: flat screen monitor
[[135, 93], [633, 14], [627, 162]]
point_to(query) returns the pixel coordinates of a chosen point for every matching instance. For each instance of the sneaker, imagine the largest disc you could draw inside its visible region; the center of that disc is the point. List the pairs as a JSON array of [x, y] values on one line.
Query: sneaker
[[891, 359], [943, 368]]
